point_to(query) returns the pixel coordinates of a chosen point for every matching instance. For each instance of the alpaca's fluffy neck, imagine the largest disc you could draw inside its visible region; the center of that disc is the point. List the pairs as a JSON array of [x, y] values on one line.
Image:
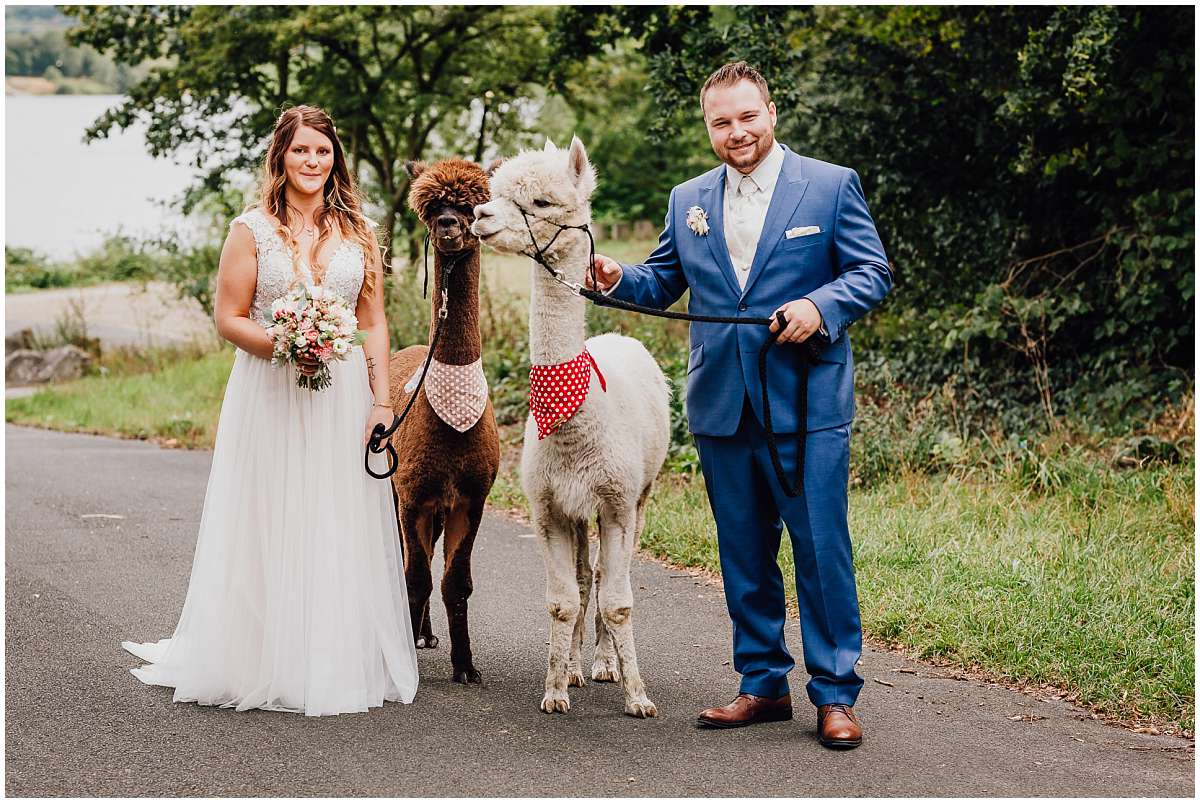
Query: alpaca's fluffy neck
[[459, 343], [557, 316]]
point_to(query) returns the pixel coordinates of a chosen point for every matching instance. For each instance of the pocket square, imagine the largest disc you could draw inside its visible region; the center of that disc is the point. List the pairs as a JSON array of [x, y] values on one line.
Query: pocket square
[[802, 231]]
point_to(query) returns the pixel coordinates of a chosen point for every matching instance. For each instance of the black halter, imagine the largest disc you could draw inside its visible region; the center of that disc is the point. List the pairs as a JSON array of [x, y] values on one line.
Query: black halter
[[539, 252]]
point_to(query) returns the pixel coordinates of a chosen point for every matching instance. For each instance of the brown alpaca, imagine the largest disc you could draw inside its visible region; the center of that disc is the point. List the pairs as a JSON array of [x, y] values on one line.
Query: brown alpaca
[[443, 475]]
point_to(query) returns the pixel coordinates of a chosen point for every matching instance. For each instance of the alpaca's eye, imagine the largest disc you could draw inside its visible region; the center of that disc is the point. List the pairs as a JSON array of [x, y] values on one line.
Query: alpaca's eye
[[540, 204]]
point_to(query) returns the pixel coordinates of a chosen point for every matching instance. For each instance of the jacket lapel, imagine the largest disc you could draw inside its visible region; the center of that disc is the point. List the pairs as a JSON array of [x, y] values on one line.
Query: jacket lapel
[[712, 200], [789, 192]]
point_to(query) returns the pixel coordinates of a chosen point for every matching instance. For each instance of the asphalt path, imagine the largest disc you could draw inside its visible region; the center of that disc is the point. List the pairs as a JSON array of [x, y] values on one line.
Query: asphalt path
[[78, 581], [119, 314]]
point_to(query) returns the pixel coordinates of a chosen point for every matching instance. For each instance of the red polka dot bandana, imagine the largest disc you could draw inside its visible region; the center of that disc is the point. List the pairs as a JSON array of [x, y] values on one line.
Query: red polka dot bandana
[[557, 391]]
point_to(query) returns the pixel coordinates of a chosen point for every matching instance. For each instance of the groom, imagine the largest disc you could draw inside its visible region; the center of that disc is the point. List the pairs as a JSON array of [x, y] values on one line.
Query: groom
[[771, 230]]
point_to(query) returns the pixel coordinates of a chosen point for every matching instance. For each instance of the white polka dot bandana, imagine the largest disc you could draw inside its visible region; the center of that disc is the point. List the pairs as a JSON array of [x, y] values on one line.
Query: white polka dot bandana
[[557, 391], [457, 393]]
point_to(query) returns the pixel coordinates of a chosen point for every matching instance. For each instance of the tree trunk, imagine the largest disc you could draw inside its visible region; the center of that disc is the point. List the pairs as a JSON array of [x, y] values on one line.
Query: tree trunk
[[281, 66], [388, 230], [479, 143]]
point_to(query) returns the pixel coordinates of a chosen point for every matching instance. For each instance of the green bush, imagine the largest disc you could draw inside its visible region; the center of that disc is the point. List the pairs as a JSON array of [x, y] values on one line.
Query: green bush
[[1031, 172], [119, 258], [24, 268]]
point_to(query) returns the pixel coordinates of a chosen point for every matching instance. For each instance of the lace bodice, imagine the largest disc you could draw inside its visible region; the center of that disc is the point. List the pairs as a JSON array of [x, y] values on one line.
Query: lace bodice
[[344, 275]]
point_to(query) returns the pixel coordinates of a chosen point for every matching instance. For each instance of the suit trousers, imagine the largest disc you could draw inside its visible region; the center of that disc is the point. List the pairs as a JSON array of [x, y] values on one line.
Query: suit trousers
[[750, 508]]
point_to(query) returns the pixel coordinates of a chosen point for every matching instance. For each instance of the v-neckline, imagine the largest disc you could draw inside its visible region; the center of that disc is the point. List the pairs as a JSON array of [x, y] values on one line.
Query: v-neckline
[[303, 261], [325, 271]]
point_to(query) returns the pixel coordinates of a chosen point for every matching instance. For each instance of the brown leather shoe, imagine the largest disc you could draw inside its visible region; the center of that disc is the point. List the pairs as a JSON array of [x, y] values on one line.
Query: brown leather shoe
[[746, 709], [838, 727]]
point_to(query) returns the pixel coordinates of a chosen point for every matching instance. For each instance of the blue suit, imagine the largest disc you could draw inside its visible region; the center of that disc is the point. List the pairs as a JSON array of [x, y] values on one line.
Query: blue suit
[[844, 271]]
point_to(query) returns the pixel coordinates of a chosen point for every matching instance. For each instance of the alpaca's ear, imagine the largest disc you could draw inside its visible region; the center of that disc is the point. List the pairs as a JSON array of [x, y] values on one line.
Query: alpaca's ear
[[415, 169], [549, 148], [581, 170], [494, 166]]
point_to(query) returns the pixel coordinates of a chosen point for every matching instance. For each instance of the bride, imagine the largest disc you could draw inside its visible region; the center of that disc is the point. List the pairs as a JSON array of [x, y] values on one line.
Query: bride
[[296, 600]]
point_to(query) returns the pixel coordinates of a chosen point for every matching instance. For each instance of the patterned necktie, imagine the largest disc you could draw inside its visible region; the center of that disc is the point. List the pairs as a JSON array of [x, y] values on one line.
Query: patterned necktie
[[741, 213]]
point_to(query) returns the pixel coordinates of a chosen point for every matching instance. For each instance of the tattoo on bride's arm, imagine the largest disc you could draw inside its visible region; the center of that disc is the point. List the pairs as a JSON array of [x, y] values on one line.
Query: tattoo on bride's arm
[[371, 369]]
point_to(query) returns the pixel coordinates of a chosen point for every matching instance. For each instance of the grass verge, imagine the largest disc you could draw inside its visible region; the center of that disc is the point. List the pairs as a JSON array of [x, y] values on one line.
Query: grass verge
[[166, 395]]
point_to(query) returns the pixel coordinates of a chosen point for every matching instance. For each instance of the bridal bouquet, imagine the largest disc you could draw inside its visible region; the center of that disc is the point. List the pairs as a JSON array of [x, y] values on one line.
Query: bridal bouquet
[[310, 323]]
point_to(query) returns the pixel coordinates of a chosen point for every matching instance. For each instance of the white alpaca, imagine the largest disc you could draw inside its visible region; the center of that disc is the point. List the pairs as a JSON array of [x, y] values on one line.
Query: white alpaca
[[602, 459]]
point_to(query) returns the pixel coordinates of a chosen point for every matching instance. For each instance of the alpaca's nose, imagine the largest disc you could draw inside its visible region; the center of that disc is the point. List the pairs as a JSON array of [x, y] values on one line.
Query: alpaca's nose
[[447, 221], [481, 212]]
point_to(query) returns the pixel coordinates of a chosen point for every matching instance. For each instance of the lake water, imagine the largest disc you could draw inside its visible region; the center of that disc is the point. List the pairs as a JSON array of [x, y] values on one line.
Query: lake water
[[63, 196]]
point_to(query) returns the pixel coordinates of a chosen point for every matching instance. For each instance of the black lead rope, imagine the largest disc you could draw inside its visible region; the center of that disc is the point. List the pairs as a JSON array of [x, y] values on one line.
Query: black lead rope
[[379, 441], [807, 353]]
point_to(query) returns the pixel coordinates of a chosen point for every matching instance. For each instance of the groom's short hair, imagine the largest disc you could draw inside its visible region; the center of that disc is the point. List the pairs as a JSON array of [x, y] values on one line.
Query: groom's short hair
[[729, 74]]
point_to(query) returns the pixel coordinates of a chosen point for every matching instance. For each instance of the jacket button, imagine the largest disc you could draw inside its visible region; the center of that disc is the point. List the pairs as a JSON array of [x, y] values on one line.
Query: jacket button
[[742, 307]]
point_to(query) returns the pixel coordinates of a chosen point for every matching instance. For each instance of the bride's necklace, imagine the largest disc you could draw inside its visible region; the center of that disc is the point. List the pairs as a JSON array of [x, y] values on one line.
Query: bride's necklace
[[310, 229]]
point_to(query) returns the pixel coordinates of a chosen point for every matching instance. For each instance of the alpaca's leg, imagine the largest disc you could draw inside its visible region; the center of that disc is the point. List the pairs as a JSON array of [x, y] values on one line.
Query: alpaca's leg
[[641, 517], [436, 527], [616, 606], [462, 524], [562, 600], [416, 527], [605, 666], [583, 576]]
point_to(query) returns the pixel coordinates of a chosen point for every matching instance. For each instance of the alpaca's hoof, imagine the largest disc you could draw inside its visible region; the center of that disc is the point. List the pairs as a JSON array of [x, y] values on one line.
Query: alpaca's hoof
[[467, 675], [575, 676], [556, 702], [604, 670], [427, 642], [641, 709]]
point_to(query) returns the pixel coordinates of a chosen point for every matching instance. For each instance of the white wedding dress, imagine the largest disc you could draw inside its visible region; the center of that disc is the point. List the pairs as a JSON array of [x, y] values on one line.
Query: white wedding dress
[[297, 599]]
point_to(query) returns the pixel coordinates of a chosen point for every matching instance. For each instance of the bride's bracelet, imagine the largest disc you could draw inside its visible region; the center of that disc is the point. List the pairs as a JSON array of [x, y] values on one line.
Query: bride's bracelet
[[384, 406]]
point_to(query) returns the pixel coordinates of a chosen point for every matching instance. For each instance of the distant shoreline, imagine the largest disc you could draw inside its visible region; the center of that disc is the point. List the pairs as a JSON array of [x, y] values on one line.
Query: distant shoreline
[[37, 86], [28, 85]]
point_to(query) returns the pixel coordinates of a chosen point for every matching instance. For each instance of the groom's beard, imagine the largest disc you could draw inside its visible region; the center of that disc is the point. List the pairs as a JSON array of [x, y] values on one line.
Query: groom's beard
[[751, 157]]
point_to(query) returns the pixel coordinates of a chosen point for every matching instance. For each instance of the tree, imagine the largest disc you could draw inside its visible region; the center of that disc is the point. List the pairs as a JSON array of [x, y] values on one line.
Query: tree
[[682, 45], [603, 100], [389, 76], [632, 76]]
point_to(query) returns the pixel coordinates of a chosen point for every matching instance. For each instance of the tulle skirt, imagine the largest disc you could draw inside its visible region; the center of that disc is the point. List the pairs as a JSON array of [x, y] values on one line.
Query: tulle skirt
[[297, 599]]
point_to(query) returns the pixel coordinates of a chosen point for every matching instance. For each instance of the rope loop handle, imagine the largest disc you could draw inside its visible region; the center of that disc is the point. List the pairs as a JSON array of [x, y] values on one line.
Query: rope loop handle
[[378, 444]]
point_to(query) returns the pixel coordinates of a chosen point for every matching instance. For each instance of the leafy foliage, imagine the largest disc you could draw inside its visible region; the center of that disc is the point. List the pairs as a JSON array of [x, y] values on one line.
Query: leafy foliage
[[1031, 170], [401, 81]]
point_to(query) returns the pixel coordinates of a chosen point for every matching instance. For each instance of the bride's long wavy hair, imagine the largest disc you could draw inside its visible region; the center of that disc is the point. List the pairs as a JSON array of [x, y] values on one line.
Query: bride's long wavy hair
[[343, 202]]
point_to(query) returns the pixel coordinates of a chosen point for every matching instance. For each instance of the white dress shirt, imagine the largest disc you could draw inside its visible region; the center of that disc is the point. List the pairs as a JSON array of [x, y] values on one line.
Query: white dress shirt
[[747, 197]]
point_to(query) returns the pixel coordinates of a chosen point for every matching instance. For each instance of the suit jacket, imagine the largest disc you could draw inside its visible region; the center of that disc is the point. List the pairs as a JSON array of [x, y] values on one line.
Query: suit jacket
[[842, 269]]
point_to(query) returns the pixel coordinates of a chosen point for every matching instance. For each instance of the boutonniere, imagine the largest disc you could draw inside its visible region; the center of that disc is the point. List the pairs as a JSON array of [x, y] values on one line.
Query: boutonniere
[[697, 220]]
